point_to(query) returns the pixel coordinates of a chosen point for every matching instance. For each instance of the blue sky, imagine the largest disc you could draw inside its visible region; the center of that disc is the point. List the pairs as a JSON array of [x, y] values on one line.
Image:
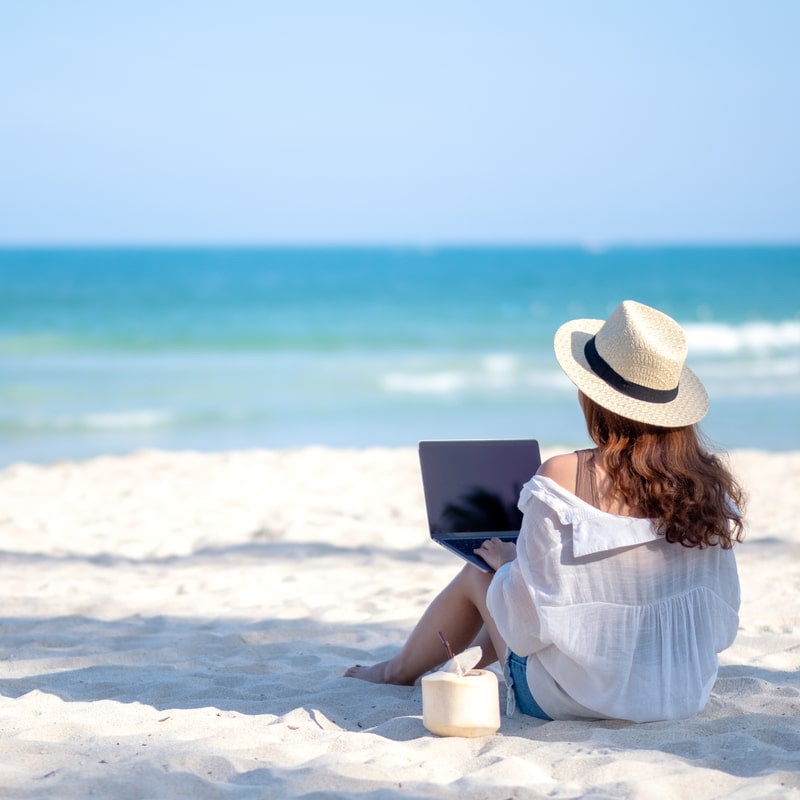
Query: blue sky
[[399, 122]]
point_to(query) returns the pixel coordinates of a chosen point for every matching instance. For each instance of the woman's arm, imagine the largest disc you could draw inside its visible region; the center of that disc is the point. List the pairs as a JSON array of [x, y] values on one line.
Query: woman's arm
[[496, 552]]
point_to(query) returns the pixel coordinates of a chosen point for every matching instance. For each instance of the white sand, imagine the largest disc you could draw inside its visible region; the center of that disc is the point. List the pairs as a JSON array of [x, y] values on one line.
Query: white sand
[[175, 625]]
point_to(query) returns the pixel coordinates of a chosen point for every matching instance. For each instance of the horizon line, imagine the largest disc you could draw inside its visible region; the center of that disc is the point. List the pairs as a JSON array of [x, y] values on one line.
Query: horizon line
[[590, 246]]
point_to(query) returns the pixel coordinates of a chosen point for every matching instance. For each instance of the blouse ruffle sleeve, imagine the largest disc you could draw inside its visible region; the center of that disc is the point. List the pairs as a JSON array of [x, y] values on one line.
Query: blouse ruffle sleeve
[[510, 603]]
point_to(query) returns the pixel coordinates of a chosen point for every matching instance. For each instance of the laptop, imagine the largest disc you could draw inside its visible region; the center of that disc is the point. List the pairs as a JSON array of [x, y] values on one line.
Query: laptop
[[472, 488]]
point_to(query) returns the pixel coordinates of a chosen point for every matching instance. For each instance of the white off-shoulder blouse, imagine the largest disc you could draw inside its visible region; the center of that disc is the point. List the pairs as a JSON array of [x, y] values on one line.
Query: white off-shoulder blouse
[[616, 622]]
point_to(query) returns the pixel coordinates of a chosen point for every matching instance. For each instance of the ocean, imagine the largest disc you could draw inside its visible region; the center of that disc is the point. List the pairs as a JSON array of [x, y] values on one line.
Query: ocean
[[108, 351]]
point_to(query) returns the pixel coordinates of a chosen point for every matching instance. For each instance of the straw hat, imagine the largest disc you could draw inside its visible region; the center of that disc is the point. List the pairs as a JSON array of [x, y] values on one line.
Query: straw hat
[[633, 364]]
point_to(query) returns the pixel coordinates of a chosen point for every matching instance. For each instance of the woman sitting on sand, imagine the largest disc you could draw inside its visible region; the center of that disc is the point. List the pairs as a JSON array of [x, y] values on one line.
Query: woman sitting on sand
[[622, 587]]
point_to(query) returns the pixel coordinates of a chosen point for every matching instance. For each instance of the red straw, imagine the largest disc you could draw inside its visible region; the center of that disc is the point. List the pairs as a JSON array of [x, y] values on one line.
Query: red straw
[[446, 645]]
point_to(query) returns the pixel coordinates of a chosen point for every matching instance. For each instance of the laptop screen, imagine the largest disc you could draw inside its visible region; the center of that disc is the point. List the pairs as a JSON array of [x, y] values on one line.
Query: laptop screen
[[474, 485]]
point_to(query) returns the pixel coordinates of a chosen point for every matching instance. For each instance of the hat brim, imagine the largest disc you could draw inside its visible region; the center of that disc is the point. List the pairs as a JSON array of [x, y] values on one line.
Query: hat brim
[[688, 407]]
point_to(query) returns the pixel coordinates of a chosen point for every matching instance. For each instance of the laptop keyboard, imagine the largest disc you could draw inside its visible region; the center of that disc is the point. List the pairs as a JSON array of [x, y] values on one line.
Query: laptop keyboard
[[468, 545]]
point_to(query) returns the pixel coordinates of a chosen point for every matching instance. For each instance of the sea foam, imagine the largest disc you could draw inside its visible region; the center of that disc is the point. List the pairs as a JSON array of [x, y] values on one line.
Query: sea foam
[[749, 337]]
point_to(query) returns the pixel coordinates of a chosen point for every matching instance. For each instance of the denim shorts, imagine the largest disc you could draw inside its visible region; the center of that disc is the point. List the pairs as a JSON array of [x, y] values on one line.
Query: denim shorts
[[517, 671]]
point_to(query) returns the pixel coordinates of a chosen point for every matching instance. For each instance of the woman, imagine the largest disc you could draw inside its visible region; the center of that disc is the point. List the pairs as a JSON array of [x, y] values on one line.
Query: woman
[[622, 587]]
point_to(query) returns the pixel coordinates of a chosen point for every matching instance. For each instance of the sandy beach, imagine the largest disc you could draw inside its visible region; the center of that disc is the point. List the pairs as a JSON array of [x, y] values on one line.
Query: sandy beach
[[176, 625]]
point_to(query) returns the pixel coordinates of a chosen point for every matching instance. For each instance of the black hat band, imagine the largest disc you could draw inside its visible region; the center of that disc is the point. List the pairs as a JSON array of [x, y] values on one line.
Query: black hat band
[[607, 373]]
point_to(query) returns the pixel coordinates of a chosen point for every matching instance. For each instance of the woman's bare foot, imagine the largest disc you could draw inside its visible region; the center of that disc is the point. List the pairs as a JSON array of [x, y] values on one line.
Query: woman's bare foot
[[377, 673]]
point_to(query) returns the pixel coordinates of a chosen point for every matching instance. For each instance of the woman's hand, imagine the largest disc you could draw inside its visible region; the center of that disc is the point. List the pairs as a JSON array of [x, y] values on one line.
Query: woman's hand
[[496, 552]]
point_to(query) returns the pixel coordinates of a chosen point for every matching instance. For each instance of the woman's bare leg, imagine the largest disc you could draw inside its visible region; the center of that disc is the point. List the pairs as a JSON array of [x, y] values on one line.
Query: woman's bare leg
[[459, 613]]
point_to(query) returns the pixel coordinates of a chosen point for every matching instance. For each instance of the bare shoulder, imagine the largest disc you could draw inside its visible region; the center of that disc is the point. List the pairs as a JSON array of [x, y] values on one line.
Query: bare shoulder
[[562, 469]]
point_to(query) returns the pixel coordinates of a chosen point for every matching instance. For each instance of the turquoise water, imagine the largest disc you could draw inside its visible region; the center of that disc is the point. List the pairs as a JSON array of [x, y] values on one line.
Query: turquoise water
[[108, 351]]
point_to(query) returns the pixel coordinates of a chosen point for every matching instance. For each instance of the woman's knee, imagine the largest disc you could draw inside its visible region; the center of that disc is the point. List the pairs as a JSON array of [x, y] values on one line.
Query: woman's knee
[[476, 582]]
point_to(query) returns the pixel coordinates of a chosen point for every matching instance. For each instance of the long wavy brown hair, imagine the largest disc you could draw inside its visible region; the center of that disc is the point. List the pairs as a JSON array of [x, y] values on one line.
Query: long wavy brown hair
[[669, 476]]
